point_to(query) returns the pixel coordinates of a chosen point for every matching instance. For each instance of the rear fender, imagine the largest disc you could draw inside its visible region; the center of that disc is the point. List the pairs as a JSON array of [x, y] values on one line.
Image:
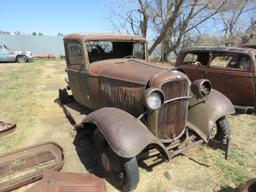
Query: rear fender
[[126, 135], [203, 114]]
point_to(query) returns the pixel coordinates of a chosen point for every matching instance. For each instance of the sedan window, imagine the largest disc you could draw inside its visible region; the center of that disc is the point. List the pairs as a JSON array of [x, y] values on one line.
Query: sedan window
[[200, 58], [234, 61]]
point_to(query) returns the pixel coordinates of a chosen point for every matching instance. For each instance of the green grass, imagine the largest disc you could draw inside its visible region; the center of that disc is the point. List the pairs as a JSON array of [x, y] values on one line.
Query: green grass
[[18, 99]]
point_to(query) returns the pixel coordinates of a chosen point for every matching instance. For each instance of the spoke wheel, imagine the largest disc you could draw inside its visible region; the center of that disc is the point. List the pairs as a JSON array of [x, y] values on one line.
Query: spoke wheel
[[120, 172]]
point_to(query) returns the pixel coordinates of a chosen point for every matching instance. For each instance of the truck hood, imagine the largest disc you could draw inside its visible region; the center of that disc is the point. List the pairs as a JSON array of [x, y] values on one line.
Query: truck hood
[[133, 70]]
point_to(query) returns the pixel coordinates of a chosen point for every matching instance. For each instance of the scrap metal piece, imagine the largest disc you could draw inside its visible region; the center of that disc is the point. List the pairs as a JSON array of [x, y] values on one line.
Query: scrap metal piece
[[68, 182], [6, 127], [26, 165]]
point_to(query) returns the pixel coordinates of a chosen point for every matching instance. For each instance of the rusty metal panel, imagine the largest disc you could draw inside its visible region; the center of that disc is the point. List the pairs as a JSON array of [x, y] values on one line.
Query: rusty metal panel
[[25, 166], [68, 182], [172, 116], [104, 36], [6, 127]]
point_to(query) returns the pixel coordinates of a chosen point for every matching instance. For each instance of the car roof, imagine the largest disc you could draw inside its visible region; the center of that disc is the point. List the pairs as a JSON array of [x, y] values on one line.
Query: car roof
[[104, 36], [249, 45], [245, 50]]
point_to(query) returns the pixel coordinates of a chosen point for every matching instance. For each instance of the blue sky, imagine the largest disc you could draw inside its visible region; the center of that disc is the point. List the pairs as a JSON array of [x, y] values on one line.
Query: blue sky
[[53, 16]]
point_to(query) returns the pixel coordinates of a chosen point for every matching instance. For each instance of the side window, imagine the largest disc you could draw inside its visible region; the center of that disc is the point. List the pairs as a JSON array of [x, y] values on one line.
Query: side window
[[197, 59], [190, 58], [99, 50], [139, 50], [75, 55], [1, 48], [234, 61]]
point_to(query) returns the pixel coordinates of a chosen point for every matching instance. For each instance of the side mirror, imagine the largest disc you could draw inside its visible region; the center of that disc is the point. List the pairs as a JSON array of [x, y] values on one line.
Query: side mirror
[[201, 88]]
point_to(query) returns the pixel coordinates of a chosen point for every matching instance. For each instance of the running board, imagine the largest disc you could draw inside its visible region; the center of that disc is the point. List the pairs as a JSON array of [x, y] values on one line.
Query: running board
[[75, 112]]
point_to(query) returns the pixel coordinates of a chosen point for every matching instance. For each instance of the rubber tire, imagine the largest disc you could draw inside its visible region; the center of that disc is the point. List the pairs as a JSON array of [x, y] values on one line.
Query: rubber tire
[[131, 172], [130, 167], [64, 97], [21, 59], [223, 130]]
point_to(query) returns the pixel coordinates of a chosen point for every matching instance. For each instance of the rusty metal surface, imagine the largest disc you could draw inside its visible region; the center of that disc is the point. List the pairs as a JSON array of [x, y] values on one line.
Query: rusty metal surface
[[131, 71], [126, 135], [249, 186], [6, 127], [26, 165], [68, 182], [203, 113], [179, 110], [173, 115], [104, 36], [229, 81], [118, 81]]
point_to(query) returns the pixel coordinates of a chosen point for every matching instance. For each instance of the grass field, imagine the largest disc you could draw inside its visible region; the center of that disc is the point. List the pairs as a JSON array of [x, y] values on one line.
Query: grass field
[[28, 94]]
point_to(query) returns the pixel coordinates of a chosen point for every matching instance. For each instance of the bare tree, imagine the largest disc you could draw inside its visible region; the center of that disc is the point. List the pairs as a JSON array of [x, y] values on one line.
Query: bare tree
[[167, 21], [238, 21]]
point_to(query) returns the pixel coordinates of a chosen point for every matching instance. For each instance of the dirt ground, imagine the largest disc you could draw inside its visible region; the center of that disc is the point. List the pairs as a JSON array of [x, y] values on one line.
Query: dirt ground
[[28, 97]]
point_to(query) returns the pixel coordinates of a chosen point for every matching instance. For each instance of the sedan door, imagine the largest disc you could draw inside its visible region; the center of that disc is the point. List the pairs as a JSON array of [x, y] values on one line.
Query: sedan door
[[194, 64], [231, 74]]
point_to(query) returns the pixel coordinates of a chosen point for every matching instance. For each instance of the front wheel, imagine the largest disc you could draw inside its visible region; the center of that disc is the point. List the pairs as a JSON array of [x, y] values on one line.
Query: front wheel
[[21, 59], [122, 173], [223, 130]]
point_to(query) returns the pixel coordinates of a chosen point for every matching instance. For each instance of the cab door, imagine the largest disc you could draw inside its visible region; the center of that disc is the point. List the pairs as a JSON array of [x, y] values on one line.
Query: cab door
[[75, 66], [228, 75]]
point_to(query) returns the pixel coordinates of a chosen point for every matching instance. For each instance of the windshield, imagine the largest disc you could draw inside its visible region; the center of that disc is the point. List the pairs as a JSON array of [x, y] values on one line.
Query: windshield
[[6, 47], [101, 50]]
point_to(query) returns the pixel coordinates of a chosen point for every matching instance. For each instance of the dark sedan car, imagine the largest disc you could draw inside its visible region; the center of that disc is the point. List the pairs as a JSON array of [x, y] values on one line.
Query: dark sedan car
[[230, 70]]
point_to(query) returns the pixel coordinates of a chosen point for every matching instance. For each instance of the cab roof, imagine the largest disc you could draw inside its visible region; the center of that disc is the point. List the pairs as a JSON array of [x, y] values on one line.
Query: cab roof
[[104, 36], [245, 50]]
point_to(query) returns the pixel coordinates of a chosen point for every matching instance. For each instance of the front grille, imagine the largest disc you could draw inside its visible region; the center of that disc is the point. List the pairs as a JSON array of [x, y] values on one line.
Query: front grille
[[172, 116]]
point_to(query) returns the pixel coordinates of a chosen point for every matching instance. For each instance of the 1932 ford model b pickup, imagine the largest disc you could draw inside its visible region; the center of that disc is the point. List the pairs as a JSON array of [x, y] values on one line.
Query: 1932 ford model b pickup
[[136, 106]]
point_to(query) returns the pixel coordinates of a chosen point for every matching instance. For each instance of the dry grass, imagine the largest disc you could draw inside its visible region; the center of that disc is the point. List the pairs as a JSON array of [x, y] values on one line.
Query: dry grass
[[27, 97]]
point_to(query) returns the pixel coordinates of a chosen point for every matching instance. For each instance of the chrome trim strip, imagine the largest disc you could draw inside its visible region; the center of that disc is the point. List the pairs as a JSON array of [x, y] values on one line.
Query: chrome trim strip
[[177, 98]]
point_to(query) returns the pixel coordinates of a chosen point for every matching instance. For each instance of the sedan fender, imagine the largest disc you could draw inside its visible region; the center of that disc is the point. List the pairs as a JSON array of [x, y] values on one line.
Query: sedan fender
[[125, 134], [203, 113]]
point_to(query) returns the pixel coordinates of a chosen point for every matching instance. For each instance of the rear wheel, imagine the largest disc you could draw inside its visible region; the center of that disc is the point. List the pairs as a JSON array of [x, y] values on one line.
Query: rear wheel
[[223, 130], [21, 59], [122, 173]]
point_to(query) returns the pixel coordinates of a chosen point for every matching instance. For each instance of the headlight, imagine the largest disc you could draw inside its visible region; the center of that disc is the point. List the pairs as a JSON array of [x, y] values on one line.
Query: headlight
[[154, 98], [201, 88]]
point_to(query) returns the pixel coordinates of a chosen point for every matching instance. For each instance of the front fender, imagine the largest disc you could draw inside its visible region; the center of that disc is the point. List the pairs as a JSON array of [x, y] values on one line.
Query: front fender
[[203, 114], [126, 135]]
